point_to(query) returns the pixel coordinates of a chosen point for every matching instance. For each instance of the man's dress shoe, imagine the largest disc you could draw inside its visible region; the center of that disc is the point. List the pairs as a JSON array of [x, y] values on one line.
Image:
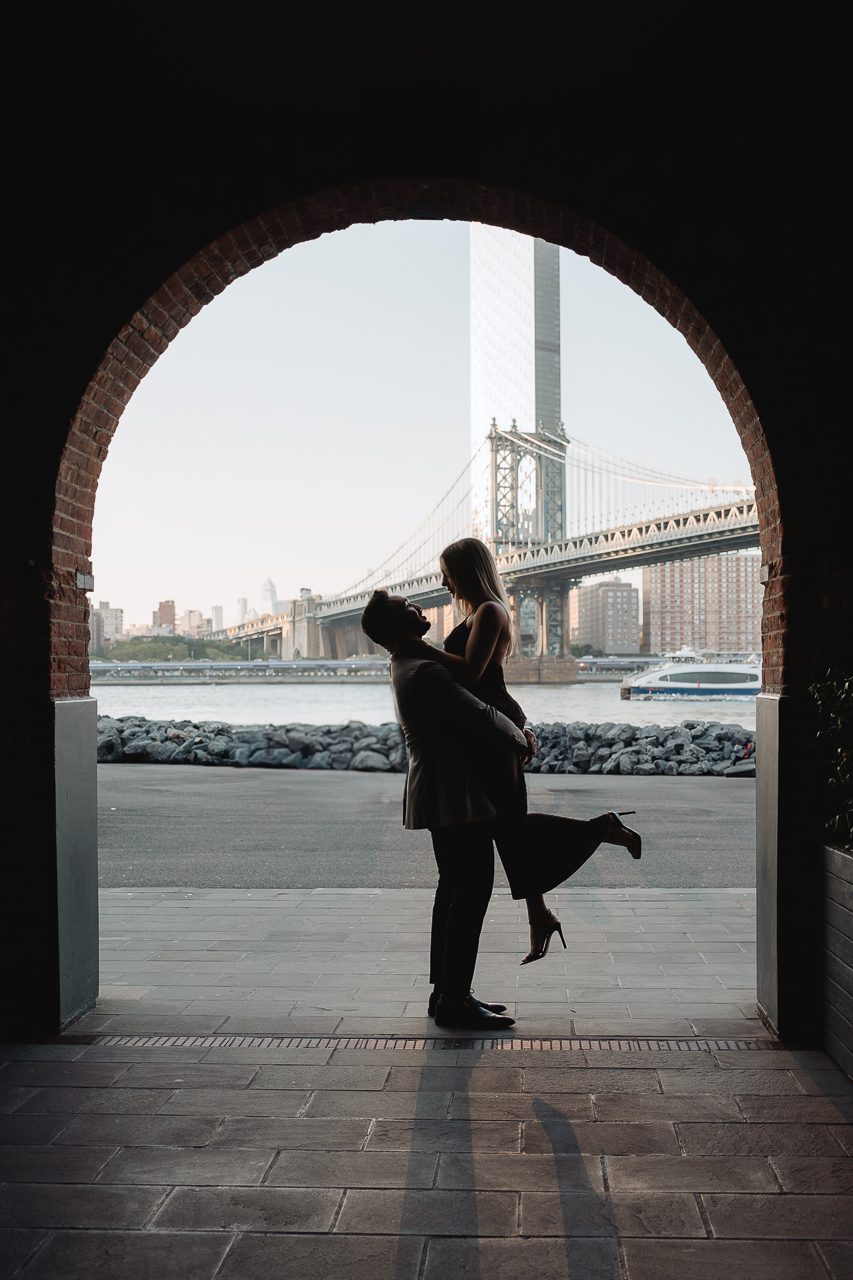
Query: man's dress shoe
[[469, 1015], [433, 1001]]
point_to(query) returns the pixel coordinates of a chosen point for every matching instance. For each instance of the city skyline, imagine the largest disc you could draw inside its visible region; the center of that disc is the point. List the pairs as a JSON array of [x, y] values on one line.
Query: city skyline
[[240, 447]]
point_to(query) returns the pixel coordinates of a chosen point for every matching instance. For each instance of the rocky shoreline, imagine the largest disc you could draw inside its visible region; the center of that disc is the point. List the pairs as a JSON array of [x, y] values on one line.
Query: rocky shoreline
[[694, 747]]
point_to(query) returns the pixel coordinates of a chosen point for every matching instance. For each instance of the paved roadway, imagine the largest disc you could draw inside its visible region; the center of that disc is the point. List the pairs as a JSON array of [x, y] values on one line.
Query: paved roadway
[[271, 828]]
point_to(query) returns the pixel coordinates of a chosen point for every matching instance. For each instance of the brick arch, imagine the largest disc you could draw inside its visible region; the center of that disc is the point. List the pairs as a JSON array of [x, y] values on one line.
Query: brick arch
[[147, 334]]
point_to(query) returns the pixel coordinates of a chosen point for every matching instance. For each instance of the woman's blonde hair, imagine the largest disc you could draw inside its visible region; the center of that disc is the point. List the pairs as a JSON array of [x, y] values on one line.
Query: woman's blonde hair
[[472, 569]]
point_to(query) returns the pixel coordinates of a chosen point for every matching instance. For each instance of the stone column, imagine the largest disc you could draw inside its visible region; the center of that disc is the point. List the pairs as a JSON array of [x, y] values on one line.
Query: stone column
[[49, 872], [788, 872]]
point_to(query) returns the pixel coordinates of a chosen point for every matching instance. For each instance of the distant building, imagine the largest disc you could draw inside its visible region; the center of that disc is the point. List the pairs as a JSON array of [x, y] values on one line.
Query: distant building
[[269, 598], [707, 603], [193, 624], [112, 621], [164, 615], [242, 609], [605, 616], [96, 631], [216, 617], [143, 629]]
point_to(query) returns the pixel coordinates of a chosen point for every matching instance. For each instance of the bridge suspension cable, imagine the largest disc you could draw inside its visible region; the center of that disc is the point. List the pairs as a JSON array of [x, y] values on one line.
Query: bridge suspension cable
[[603, 491], [448, 520]]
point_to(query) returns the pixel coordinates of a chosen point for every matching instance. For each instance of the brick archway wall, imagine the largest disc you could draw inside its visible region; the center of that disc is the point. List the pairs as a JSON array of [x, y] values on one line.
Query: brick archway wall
[[136, 348]]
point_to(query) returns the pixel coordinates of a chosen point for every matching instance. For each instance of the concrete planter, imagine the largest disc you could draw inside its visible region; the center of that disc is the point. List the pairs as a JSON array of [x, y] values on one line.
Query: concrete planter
[[838, 954]]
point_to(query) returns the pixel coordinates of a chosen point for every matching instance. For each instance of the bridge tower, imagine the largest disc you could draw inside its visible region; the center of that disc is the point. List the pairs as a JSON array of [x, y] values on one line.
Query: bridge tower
[[527, 507], [541, 615], [527, 498]]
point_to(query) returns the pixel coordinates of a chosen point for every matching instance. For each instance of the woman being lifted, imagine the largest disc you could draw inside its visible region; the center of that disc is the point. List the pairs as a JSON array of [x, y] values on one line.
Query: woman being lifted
[[538, 851]]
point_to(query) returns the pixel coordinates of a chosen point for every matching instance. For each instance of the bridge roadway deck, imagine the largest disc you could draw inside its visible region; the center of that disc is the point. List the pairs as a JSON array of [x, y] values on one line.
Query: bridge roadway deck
[[731, 527]]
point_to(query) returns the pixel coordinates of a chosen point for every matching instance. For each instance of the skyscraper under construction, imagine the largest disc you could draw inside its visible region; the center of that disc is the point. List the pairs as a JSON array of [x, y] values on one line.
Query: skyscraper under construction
[[515, 369]]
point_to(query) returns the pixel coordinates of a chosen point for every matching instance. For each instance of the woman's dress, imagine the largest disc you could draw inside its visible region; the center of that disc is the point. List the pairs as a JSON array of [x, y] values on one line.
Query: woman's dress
[[538, 850], [501, 773]]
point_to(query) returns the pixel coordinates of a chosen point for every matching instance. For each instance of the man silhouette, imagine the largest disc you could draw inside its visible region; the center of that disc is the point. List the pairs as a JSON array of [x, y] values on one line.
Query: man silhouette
[[445, 726]]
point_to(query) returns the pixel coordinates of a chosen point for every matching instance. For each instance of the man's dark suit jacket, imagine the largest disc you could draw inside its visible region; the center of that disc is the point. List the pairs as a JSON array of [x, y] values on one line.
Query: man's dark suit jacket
[[446, 728]]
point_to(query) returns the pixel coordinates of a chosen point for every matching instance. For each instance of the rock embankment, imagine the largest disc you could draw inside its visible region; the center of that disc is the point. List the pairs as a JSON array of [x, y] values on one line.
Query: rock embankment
[[696, 747]]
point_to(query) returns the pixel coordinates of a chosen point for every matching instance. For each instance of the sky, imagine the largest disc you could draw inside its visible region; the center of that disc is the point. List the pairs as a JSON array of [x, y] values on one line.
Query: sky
[[307, 420]]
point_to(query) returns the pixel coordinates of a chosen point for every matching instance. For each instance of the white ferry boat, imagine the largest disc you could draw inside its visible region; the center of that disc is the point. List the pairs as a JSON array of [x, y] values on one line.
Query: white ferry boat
[[695, 679]]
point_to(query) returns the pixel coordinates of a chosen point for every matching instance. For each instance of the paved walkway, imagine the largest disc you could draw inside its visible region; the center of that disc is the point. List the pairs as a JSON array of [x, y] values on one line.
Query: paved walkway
[[168, 824], [259, 1093], [352, 962]]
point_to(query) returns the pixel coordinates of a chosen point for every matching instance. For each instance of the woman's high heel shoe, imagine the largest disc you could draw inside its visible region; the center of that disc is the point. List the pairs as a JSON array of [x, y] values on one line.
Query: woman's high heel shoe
[[618, 833], [540, 936]]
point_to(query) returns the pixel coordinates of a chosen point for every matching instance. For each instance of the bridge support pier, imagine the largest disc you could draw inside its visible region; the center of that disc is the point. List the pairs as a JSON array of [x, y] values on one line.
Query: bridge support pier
[[542, 611], [553, 628], [540, 618], [551, 613], [345, 639], [516, 601]]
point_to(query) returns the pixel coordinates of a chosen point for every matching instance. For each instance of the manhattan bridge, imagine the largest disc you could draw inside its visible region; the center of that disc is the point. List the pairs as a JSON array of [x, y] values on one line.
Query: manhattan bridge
[[553, 510]]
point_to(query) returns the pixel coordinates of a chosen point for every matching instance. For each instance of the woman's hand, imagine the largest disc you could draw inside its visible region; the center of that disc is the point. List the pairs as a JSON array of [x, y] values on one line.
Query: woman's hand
[[532, 745]]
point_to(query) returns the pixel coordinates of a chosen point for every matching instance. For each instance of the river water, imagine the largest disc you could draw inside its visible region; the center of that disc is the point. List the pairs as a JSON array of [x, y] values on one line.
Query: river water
[[373, 704]]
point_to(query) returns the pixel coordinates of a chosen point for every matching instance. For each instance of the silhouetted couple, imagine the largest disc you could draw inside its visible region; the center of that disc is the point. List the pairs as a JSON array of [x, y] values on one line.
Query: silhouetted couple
[[467, 742]]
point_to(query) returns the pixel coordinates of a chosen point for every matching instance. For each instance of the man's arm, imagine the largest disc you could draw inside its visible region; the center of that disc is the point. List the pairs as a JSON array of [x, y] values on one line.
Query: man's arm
[[484, 638], [456, 709]]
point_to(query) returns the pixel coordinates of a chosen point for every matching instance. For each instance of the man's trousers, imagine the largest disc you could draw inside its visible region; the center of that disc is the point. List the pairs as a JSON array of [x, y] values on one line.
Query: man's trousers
[[466, 871]]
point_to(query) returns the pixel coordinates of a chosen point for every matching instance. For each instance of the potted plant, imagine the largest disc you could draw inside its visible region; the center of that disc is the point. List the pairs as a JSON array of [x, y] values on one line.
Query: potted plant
[[833, 697]]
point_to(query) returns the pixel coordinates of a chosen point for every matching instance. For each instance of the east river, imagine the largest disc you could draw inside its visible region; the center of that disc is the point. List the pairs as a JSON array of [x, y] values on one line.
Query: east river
[[373, 704]]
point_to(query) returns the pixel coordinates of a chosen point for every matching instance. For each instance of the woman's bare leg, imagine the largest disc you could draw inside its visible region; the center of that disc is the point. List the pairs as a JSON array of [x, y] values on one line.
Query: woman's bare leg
[[549, 849], [536, 907], [542, 922], [541, 850]]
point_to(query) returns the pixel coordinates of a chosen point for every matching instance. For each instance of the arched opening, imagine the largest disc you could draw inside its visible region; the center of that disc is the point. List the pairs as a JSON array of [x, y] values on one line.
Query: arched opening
[[137, 347], [135, 350]]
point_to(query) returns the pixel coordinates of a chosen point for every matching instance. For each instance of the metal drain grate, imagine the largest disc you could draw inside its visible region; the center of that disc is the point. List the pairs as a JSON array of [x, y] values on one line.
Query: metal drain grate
[[510, 1044]]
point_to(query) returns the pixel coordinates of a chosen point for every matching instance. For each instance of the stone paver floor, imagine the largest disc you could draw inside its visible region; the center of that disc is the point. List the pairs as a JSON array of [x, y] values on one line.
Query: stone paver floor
[[352, 961], [312, 1122]]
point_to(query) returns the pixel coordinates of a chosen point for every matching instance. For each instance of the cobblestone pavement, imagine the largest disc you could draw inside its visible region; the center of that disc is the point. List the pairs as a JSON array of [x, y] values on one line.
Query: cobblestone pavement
[[259, 1093]]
